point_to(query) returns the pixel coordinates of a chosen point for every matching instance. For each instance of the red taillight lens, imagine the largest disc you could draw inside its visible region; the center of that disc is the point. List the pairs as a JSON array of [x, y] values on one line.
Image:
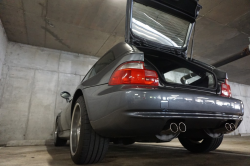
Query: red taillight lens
[[226, 89], [134, 73]]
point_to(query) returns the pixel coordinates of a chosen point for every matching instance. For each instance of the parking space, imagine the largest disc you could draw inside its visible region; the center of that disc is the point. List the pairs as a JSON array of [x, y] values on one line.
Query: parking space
[[233, 151]]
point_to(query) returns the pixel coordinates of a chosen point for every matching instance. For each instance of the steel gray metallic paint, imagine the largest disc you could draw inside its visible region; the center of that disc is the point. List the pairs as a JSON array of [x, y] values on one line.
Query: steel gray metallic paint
[[135, 111], [123, 52], [131, 110]]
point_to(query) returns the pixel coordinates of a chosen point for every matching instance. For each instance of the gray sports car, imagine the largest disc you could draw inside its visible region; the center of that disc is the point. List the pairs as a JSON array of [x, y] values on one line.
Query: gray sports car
[[146, 89]]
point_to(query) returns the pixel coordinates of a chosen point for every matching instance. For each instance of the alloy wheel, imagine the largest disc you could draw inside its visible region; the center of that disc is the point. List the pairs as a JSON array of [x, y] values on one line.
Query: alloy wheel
[[75, 129]]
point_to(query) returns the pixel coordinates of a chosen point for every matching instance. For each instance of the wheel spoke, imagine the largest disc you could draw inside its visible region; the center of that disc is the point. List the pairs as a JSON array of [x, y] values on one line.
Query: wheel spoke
[[79, 123], [78, 135], [75, 129]]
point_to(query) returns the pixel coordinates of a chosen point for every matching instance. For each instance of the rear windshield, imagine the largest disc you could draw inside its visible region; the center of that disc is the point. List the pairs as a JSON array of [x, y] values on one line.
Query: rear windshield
[[159, 27]]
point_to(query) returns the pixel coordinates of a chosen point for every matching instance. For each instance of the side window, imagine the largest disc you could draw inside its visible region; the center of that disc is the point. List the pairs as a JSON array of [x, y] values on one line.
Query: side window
[[102, 63], [188, 77], [211, 80], [87, 76]]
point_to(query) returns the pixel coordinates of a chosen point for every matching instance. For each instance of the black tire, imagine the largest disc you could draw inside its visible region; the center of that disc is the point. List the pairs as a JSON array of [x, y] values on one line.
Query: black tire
[[91, 147], [203, 146], [58, 141]]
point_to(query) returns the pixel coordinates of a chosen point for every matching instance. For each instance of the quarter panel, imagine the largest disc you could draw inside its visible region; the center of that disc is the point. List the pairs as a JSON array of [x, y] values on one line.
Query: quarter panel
[[103, 76], [103, 100], [66, 117]]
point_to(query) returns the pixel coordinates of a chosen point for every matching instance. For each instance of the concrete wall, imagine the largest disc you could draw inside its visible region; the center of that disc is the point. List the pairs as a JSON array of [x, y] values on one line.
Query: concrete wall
[[32, 80], [3, 46], [242, 92]]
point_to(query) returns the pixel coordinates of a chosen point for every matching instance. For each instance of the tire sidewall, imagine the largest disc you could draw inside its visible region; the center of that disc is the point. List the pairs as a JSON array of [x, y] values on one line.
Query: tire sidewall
[[204, 146], [75, 157], [56, 133], [91, 147]]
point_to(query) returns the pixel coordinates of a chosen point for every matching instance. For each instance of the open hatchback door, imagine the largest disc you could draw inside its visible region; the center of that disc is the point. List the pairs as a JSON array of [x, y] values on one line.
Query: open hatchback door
[[161, 24]]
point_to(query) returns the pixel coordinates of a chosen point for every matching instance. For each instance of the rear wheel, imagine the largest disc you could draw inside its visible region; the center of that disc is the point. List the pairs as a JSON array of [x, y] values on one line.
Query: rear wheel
[[201, 145], [86, 146], [58, 141]]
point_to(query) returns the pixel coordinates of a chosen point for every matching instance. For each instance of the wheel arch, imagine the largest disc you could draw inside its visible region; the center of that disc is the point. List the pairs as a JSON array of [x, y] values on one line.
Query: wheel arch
[[77, 94]]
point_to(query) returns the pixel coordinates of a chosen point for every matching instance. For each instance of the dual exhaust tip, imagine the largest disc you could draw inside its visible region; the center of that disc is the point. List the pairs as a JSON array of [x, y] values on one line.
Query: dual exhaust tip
[[230, 127], [181, 127]]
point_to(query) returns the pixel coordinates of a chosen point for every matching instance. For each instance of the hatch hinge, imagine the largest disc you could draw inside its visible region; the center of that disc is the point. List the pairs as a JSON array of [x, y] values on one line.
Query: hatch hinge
[[192, 45], [137, 42]]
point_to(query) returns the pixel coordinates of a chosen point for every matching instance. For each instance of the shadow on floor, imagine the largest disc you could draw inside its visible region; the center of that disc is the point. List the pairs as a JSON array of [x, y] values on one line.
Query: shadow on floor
[[146, 155]]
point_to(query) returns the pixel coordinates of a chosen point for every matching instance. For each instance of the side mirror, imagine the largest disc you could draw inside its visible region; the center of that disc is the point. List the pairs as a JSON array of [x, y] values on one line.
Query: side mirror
[[66, 95]]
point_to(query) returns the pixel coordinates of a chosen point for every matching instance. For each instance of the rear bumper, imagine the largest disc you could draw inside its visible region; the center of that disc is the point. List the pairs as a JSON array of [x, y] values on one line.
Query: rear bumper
[[125, 111]]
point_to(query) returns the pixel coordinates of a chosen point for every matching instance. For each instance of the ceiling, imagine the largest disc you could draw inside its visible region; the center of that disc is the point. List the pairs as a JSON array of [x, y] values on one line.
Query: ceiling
[[92, 27]]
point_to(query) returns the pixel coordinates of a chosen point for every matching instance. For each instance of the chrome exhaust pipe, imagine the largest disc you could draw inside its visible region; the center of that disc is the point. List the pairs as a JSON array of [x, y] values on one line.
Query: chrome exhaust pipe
[[182, 127], [169, 134], [228, 127], [233, 127], [174, 127]]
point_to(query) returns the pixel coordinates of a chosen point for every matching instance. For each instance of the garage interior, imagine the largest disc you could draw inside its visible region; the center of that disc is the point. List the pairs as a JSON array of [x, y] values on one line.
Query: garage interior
[[48, 46]]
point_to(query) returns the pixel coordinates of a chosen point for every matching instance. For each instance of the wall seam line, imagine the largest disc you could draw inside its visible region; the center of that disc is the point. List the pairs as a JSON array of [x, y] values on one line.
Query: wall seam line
[[7, 74], [25, 23], [57, 89], [28, 115], [44, 70]]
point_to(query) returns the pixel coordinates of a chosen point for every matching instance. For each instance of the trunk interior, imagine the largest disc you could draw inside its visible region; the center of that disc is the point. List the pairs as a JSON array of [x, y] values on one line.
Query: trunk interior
[[179, 72]]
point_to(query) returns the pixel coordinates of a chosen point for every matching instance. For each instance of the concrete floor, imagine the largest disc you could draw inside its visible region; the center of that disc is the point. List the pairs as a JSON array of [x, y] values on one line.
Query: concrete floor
[[234, 151]]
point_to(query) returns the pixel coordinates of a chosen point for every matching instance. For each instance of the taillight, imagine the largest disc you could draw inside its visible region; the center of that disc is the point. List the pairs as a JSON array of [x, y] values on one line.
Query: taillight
[[226, 89], [134, 73]]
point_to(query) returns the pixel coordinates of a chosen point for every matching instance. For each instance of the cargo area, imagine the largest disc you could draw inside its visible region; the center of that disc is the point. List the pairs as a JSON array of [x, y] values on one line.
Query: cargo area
[[174, 70]]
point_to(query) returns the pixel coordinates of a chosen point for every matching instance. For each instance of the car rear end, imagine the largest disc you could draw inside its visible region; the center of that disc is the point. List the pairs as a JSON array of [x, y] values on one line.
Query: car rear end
[[137, 102], [155, 89]]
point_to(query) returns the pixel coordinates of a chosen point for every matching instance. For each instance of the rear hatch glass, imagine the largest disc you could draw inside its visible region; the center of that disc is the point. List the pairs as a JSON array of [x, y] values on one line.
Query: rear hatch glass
[[159, 27]]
